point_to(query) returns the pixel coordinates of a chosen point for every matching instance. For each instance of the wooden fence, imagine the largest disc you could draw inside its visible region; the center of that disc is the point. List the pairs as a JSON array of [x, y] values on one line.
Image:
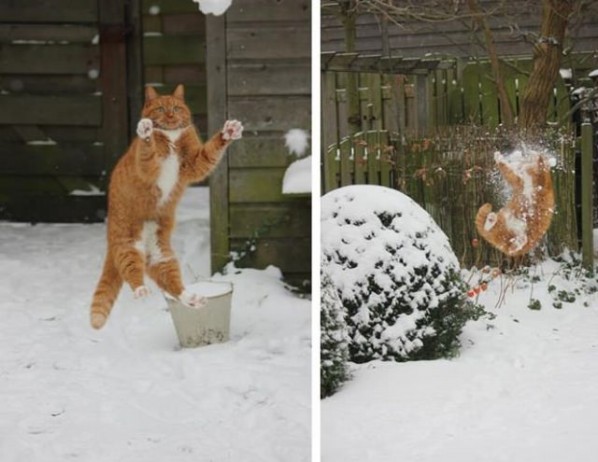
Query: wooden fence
[[451, 175]]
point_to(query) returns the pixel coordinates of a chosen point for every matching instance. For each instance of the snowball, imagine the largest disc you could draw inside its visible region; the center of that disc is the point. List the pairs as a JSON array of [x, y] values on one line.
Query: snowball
[[297, 178], [215, 7], [296, 140]]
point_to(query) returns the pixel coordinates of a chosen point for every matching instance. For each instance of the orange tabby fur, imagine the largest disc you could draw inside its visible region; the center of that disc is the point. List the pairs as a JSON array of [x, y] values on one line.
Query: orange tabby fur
[[145, 187], [518, 227]]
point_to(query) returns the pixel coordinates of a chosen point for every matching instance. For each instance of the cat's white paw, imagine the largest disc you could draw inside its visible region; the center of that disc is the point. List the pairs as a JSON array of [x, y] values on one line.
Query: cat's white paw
[[193, 300], [498, 157], [141, 292], [232, 130], [145, 128]]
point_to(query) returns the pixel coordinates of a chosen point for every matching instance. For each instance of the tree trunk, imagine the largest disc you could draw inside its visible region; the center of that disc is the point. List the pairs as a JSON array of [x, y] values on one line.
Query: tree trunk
[[547, 61]]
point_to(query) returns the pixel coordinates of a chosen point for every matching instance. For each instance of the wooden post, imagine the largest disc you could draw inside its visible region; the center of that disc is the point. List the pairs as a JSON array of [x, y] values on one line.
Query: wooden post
[[219, 193], [586, 196]]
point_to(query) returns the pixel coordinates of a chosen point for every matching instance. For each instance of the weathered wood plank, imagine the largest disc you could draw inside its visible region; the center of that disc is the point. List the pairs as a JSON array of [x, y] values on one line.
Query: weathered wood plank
[[271, 113], [260, 151], [59, 33], [185, 73], [275, 220], [185, 24], [59, 159], [172, 49], [44, 84], [217, 102], [50, 110], [291, 255], [255, 11], [56, 208], [164, 7], [49, 11], [49, 59], [256, 185], [257, 42], [269, 78]]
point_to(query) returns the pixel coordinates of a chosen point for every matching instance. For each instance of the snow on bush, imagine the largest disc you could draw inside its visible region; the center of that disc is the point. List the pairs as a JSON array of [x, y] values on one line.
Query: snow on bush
[[297, 177], [334, 349], [395, 273]]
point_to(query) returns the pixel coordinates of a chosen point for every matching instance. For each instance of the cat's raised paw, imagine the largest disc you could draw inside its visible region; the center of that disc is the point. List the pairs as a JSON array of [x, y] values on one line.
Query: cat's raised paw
[[498, 157], [232, 130], [141, 292], [193, 300], [145, 128]]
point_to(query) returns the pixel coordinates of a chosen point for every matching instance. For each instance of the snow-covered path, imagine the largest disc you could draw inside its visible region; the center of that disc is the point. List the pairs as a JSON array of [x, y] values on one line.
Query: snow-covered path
[[523, 389], [127, 392]]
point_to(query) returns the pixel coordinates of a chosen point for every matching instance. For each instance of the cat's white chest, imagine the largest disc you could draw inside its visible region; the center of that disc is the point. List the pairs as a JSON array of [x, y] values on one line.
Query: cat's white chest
[[169, 176]]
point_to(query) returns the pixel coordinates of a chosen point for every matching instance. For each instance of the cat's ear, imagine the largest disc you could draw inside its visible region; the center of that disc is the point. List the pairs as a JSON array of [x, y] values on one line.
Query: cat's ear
[[179, 92], [150, 93]]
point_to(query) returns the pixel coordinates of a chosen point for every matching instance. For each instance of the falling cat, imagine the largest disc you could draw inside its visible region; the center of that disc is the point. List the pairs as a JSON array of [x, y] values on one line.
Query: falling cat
[[518, 227], [145, 187]]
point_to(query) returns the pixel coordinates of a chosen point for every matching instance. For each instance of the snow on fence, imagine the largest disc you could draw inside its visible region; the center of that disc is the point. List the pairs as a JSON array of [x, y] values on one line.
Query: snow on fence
[[451, 175]]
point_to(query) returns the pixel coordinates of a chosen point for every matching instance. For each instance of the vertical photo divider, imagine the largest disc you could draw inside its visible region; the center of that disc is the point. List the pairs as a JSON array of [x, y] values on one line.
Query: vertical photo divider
[[316, 144]]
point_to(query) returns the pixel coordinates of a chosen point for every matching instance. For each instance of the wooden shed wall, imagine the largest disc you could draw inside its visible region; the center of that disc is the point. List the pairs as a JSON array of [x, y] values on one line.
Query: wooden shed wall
[[455, 38], [259, 73], [174, 51]]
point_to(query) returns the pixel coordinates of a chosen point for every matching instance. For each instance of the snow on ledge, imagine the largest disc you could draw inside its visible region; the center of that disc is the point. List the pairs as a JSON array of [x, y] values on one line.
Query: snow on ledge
[[215, 7], [297, 178]]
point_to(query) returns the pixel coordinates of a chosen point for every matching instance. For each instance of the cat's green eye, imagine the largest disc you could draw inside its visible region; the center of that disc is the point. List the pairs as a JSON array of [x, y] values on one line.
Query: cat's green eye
[[160, 109], [177, 108]]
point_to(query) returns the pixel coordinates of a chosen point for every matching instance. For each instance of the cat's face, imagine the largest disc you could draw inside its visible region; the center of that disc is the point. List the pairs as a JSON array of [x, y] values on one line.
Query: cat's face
[[167, 112]]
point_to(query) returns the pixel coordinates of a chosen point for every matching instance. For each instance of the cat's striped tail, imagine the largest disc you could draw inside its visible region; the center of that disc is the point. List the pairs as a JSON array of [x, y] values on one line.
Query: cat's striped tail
[[106, 292]]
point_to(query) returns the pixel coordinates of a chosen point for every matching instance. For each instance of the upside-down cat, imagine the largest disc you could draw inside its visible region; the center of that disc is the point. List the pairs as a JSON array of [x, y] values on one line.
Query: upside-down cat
[[518, 226], [145, 187]]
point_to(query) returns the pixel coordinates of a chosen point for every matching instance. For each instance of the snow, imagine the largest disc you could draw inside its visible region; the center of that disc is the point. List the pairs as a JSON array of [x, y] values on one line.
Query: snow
[[296, 141], [593, 73], [297, 178], [523, 388], [215, 7], [92, 191], [128, 392], [566, 73]]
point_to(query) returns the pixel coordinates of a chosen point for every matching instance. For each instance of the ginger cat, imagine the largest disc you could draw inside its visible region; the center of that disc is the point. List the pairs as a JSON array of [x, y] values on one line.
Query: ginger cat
[[145, 187], [518, 227]]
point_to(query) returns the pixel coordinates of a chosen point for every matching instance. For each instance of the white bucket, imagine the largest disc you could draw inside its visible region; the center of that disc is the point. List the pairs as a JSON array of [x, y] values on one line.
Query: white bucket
[[207, 325]]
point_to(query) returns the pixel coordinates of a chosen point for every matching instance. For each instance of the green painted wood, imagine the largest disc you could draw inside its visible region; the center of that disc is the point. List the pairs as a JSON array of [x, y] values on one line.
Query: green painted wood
[[49, 59], [43, 84], [256, 185], [471, 93], [219, 180], [271, 220], [490, 116], [291, 255], [56, 208], [346, 162], [256, 41], [41, 110], [269, 78], [271, 113], [57, 33], [266, 11], [386, 159], [331, 169], [63, 159], [173, 49], [360, 161], [373, 157], [252, 152], [46, 11], [154, 7]]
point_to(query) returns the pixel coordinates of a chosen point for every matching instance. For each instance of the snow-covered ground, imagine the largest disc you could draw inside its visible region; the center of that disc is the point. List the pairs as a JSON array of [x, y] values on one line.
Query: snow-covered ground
[[128, 392], [525, 388]]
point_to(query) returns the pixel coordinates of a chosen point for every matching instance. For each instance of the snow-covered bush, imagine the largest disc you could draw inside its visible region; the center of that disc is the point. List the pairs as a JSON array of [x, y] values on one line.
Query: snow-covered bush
[[395, 273], [334, 341]]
